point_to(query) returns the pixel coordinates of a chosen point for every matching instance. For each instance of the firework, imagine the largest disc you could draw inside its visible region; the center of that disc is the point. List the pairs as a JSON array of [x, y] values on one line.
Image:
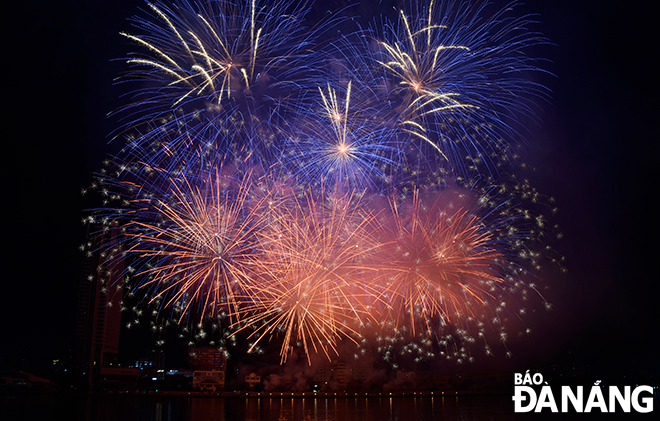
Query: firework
[[217, 67], [339, 142], [450, 272], [272, 189], [453, 76], [318, 257], [443, 262], [201, 251], [216, 50]]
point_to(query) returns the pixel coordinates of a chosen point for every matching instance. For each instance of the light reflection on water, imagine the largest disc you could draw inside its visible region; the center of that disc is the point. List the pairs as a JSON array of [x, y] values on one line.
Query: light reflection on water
[[163, 408], [175, 408]]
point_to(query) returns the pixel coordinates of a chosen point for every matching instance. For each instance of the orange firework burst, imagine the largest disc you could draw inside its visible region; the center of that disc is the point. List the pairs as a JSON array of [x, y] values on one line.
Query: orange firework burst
[[442, 262], [317, 254], [203, 247]]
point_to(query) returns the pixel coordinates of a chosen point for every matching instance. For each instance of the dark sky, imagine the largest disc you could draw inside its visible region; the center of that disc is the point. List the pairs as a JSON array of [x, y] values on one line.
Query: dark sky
[[593, 153]]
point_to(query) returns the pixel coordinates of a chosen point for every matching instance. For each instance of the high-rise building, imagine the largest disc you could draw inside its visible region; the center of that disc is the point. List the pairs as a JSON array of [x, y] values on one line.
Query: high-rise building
[[98, 318]]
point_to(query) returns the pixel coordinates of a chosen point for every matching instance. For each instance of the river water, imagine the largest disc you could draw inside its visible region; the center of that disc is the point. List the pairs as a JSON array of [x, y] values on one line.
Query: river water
[[164, 408]]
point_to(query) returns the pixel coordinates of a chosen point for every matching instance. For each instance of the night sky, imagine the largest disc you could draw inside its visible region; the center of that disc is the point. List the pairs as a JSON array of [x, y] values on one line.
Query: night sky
[[593, 152]]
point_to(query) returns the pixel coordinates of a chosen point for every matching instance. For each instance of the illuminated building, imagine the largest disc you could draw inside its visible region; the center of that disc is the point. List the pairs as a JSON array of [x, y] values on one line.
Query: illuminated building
[[209, 365]]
